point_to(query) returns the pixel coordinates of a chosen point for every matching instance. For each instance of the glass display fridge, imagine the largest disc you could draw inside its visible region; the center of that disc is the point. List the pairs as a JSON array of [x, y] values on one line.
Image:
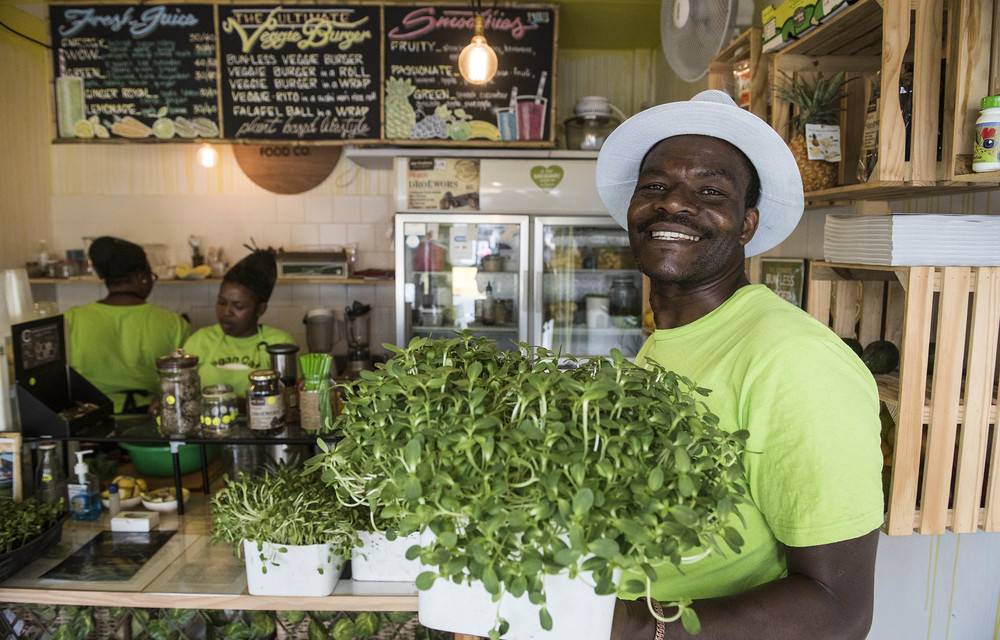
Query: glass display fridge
[[462, 271], [587, 291], [571, 285]]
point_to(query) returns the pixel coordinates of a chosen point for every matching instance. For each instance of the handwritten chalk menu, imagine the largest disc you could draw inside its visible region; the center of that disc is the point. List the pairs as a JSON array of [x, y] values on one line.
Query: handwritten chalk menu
[[132, 71], [427, 99], [301, 72]]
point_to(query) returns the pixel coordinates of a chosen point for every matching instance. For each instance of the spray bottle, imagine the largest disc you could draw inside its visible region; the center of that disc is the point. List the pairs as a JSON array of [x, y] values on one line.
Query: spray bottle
[[85, 492]]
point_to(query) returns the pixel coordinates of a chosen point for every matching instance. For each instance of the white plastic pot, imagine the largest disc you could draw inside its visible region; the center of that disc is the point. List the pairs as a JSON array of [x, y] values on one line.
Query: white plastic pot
[[292, 570], [577, 612], [379, 560]]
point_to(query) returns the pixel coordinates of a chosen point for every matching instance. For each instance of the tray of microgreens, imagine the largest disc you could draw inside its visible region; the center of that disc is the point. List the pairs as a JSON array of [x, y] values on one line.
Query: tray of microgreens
[[26, 529], [520, 468]]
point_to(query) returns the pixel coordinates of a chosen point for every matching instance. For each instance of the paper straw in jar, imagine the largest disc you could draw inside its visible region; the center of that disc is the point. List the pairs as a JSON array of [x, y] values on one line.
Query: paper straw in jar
[[541, 86]]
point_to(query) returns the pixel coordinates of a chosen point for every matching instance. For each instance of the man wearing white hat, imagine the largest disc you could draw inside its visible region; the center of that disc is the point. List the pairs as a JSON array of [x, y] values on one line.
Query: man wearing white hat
[[700, 186]]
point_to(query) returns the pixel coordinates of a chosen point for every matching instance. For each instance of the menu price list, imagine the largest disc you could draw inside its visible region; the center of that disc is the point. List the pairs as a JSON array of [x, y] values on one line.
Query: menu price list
[[426, 97], [300, 72], [133, 71]]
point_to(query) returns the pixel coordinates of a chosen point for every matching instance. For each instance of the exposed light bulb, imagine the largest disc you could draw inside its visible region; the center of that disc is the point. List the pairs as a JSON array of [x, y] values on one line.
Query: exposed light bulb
[[207, 156], [478, 62]]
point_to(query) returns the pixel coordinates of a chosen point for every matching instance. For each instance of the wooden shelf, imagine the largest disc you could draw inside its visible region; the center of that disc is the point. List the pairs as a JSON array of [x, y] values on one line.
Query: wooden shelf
[[898, 190], [176, 281], [888, 392], [856, 30]]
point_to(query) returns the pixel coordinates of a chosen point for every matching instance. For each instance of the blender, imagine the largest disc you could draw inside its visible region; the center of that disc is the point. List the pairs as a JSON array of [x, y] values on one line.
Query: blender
[[358, 322]]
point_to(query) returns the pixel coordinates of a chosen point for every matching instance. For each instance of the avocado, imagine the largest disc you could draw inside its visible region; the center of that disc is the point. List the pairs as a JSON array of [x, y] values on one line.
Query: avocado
[[854, 344], [880, 357]]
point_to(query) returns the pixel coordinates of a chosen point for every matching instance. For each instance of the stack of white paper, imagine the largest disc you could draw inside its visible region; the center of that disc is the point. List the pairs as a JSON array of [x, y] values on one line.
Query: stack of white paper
[[914, 239]]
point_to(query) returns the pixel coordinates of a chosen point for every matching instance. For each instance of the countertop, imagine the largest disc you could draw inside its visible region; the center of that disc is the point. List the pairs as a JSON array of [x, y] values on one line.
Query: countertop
[[188, 572]]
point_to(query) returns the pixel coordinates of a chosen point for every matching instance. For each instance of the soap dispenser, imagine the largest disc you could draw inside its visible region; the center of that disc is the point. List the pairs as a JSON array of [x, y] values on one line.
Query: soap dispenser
[[85, 492]]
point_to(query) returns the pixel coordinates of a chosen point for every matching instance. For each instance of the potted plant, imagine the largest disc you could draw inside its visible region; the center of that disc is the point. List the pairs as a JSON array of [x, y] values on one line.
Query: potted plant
[[534, 488], [817, 101], [291, 530]]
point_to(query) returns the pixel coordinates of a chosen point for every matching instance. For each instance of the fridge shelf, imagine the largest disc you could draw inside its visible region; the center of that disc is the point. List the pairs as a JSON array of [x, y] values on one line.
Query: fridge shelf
[[596, 272], [478, 273], [473, 328], [582, 330]]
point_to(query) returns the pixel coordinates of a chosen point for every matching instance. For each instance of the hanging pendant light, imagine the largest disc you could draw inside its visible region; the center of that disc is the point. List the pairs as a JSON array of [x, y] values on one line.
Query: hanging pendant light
[[478, 62], [207, 156]]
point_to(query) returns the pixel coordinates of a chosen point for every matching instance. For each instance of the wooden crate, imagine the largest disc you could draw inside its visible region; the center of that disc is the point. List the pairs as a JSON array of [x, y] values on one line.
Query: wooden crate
[[745, 48], [962, 36], [945, 472]]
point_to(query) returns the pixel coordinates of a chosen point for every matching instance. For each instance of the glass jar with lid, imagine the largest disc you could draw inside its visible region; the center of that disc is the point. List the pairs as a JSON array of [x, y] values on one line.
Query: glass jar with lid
[[219, 409], [180, 394], [265, 404], [624, 302]]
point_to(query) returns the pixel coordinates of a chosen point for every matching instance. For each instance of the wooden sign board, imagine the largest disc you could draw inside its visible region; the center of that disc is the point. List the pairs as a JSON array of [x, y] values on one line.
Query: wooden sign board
[[287, 169], [300, 72], [428, 102], [135, 72]]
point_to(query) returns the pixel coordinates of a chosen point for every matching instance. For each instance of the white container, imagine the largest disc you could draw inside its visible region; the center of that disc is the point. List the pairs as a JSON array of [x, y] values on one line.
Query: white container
[[379, 560], [293, 572], [986, 156], [598, 312], [577, 612]]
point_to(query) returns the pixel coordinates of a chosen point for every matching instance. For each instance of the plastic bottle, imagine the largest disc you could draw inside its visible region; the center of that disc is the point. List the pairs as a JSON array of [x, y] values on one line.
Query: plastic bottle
[[489, 306], [85, 493], [114, 500], [985, 155], [43, 253], [49, 482]]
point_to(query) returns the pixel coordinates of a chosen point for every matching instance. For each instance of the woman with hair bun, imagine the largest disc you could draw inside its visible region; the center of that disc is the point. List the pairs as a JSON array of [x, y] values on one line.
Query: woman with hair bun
[[230, 350], [115, 342]]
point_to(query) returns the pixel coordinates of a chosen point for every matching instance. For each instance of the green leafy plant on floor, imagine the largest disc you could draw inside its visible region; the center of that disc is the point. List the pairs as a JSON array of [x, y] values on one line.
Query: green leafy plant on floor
[[522, 469], [284, 506], [83, 623]]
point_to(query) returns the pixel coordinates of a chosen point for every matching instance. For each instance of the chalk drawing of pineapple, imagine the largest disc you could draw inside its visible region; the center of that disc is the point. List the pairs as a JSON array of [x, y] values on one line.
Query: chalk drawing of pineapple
[[399, 114]]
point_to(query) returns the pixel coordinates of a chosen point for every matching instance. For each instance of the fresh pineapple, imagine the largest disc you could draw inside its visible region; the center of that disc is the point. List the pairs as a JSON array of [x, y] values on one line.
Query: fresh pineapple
[[400, 117], [817, 101]]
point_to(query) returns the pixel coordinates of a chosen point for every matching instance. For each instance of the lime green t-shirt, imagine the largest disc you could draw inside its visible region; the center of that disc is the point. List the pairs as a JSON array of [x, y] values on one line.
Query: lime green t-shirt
[[227, 360], [116, 347], [812, 411]]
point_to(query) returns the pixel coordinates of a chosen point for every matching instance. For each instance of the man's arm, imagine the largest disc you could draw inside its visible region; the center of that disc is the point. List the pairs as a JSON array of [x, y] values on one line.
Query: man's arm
[[828, 594]]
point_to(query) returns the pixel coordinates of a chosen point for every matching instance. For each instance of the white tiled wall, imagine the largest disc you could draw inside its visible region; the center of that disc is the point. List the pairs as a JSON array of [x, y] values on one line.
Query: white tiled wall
[[287, 308]]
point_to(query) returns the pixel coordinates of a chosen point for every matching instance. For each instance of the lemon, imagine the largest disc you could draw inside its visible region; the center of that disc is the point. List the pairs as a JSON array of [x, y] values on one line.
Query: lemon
[[101, 131], [83, 129], [185, 128], [163, 128]]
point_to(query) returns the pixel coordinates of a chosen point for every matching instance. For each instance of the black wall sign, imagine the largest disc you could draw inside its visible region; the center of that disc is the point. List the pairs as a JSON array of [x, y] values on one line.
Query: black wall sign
[[300, 72], [135, 71], [427, 99]]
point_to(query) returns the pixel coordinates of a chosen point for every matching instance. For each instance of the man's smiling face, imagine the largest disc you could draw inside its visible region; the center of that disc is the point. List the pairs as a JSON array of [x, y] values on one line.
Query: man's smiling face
[[688, 219]]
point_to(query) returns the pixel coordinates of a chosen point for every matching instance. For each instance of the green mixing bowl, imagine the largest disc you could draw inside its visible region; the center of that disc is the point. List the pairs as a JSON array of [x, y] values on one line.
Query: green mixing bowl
[[155, 459]]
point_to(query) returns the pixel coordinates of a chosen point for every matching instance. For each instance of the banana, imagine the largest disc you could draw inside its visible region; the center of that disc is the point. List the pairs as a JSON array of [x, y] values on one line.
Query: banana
[[483, 129]]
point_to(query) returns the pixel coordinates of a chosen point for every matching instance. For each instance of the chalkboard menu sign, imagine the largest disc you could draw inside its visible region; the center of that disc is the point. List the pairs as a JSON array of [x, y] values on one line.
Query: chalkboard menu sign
[[426, 98], [135, 71], [300, 72]]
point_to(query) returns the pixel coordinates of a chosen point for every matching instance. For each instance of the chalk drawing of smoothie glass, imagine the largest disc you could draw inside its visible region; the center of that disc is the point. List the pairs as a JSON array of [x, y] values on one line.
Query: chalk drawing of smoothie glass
[[531, 113], [507, 118], [72, 104], [531, 117]]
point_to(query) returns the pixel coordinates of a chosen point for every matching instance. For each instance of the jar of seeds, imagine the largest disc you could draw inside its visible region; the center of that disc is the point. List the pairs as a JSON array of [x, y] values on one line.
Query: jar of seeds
[[265, 404], [180, 394], [219, 409]]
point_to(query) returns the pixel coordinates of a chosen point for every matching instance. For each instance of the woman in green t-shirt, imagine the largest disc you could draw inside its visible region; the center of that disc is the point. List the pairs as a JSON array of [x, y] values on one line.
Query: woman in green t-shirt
[[115, 342], [230, 350]]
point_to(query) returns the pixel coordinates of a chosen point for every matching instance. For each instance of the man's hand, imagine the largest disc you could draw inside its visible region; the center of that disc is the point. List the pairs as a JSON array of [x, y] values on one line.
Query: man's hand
[[827, 594]]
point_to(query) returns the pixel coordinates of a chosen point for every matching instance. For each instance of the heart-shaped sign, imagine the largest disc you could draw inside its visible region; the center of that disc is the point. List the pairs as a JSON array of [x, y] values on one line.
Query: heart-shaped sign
[[547, 177]]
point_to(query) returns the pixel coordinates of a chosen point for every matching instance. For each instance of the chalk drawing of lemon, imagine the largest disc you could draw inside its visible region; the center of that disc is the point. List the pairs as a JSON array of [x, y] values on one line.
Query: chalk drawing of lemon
[[83, 129], [163, 128]]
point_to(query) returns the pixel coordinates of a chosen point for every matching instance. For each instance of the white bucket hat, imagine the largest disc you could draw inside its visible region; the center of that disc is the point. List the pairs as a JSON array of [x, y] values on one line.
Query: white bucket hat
[[710, 113]]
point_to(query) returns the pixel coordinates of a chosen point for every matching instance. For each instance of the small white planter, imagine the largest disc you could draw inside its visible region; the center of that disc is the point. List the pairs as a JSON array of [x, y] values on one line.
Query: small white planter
[[577, 612], [379, 560], [292, 572]]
